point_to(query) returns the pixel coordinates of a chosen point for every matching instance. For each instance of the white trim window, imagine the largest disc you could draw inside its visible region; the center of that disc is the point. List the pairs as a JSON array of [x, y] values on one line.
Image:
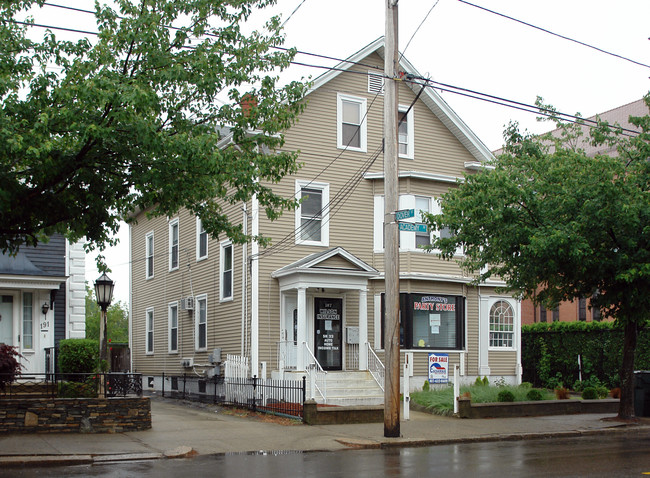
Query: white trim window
[[201, 323], [173, 244], [351, 124], [172, 313], [149, 255], [422, 204], [201, 241], [405, 133], [312, 217], [149, 331], [502, 325], [226, 270], [27, 339]]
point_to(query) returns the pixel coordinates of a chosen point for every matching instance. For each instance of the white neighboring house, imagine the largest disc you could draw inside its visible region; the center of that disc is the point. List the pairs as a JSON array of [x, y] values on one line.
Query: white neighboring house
[[42, 300]]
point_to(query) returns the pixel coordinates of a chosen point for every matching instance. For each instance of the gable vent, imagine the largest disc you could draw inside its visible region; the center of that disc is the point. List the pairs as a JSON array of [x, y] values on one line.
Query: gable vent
[[375, 83]]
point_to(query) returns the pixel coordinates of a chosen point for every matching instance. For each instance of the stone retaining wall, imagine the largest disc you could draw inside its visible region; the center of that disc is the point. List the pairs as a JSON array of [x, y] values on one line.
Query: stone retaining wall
[[323, 415], [74, 415], [467, 409]]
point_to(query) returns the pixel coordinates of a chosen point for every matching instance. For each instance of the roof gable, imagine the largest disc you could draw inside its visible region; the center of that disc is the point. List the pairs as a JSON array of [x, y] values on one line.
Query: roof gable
[[429, 97], [336, 260]]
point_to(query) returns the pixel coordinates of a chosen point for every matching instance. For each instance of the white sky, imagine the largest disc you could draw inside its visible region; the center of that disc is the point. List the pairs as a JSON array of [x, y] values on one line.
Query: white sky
[[467, 47]]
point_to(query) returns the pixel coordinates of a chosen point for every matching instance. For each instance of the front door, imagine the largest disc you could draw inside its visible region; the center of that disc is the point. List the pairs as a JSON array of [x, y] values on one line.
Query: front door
[[7, 319], [329, 318]]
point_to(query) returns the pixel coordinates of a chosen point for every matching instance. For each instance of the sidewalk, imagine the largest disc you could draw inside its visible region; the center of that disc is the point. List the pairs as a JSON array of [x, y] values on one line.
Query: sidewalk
[[183, 429]]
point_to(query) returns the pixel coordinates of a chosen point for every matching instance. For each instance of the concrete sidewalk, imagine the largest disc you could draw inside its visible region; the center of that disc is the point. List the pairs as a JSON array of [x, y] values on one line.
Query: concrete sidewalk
[[183, 429]]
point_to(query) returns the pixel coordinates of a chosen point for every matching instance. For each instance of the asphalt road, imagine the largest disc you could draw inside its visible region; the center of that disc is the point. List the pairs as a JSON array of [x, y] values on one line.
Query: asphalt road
[[604, 456]]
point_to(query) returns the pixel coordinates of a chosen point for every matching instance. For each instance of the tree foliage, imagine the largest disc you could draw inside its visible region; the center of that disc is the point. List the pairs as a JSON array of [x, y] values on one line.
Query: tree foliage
[[117, 319], [10, 366], [555, 224], [93, 129]]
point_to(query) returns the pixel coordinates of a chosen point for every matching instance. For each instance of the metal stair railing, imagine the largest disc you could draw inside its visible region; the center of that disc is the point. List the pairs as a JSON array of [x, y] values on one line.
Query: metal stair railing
[[376, 367], [316, 376]]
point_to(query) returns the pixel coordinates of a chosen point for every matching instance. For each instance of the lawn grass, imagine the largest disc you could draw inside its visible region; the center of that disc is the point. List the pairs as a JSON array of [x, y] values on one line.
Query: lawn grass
[[441, 400]]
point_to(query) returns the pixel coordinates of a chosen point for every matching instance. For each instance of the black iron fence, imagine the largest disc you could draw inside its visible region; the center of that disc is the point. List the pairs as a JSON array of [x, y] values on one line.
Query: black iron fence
[[280, 397], [66, 385]]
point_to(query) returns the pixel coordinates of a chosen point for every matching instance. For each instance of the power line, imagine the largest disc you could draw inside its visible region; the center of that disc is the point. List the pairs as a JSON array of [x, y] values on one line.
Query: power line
[[556, 34], [294, 11], [417, 29]]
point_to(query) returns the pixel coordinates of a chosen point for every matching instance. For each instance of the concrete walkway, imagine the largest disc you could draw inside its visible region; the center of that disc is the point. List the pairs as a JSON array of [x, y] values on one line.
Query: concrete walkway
[[184, 429]]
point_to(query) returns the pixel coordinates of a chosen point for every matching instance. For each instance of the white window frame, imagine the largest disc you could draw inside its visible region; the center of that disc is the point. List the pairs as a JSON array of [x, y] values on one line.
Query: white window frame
[[418, 217], [149, 254], [325, 211], [363, 130], [410, 132], [198, 321], [223, 245], [512, 333], [149, 330], [200, 232], [23, 322], [170, 327], [174, 224]]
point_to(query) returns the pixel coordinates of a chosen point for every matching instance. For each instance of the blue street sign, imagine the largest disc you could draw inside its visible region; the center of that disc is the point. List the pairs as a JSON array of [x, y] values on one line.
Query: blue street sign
[[412, 227], [404, 214]]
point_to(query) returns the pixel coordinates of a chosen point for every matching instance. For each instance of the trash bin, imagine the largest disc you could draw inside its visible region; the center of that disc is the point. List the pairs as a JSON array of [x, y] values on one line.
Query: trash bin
[[642, 393]]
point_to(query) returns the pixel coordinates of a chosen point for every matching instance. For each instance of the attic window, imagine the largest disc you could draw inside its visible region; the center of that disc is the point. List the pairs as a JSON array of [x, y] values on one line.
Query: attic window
[[375, 83]]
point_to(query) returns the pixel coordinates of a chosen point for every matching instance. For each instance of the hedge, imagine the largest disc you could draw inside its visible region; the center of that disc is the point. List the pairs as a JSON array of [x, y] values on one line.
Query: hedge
[[78, 356], [550, 352]]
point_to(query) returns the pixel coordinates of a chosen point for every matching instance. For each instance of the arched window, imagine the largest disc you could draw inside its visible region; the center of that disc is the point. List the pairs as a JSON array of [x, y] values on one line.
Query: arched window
[[502, 325]]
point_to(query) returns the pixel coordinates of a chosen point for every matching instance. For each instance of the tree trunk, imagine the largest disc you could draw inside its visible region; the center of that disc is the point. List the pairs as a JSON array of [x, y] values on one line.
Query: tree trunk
[[626, 406]]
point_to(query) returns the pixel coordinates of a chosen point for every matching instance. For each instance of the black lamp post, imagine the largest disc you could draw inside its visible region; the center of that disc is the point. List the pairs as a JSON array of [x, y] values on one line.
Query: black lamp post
[[103, 294]]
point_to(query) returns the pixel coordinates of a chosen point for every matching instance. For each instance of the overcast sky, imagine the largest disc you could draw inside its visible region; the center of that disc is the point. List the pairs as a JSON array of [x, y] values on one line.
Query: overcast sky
[[467, 47]]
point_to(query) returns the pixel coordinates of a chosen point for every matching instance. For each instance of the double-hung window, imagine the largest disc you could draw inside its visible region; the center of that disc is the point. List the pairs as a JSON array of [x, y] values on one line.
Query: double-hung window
[[352, 128], [502, 325], [173, 245], [173, 327], [422, 204], [312, 217], [149, 255], [149, 331], [226, 271], [201, 323], [405, 132], [201, 240]]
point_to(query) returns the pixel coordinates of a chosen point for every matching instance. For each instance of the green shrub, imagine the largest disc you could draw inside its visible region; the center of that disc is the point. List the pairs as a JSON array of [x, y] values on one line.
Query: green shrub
[[506, 396], [486, 381], [425, 387], [589, 393], [78, 356], [534, 395], [87, 389]]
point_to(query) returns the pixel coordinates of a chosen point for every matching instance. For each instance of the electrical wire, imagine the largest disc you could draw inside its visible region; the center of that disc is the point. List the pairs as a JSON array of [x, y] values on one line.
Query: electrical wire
[[294, 11], [417, 29], [556, 34]]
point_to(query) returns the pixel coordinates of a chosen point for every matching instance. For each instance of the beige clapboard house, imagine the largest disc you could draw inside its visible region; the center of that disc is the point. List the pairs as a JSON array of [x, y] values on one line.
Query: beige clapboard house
[[315, 295]]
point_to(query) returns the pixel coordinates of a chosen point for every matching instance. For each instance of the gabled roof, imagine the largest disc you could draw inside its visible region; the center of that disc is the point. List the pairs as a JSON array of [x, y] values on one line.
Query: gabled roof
[[429, 97], [326, 262]]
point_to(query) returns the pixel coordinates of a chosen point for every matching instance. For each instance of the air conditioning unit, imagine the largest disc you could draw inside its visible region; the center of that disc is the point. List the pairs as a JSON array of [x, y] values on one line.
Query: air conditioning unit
[[215, 356], [187, 362], [187, 303]]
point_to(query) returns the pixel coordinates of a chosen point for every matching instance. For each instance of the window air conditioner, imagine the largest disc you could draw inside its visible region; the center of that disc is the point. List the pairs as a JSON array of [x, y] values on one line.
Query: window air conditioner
[[187, 362], [187, 303]]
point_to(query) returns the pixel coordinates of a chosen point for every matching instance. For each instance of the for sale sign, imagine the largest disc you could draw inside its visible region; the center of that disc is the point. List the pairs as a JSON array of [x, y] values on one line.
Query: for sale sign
[[438, 368]]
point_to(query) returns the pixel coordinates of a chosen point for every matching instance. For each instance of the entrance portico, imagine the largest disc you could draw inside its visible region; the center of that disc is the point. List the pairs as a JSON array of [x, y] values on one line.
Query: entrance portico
[[318, 304]]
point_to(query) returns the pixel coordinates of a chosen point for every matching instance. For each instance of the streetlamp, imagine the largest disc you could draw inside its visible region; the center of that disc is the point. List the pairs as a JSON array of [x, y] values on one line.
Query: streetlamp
[[103, 294]]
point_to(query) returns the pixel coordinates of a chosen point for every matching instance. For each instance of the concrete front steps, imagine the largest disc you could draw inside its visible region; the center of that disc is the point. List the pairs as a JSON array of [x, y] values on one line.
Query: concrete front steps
[[347, 388]]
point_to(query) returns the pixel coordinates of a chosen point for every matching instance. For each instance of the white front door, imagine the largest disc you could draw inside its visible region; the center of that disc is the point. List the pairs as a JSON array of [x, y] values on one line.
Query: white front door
[[290, 331], [7, 319]]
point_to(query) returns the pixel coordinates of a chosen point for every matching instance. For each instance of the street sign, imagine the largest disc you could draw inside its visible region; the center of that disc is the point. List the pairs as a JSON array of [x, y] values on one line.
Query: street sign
[[412, 227], [404, 214]]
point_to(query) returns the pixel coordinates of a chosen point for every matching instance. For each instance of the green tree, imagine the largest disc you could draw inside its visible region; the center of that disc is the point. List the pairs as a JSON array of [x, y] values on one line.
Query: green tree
[[117, 319], [555, 224], [93, 129]]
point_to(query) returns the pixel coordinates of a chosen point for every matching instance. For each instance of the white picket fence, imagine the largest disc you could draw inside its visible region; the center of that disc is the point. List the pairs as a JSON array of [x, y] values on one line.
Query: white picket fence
[[237, 367]]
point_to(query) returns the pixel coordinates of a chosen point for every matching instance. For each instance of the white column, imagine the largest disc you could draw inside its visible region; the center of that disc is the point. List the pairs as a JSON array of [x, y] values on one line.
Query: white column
[[363, 329], [302, 328], [255, 292], [483, 336]]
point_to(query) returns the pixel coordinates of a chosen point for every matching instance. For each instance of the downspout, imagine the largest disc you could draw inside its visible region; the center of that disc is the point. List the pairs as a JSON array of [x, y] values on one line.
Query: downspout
[[255, 229], [244, 280], [131, 300]]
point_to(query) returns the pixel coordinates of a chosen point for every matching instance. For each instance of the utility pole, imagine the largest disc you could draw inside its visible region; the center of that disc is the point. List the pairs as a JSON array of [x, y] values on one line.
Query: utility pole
[[391, 252]]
